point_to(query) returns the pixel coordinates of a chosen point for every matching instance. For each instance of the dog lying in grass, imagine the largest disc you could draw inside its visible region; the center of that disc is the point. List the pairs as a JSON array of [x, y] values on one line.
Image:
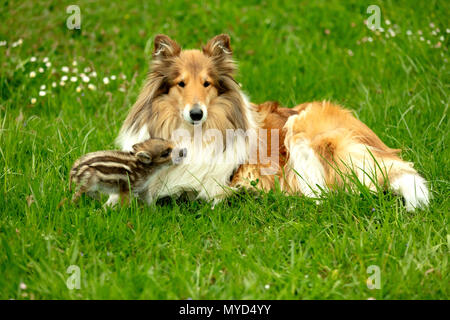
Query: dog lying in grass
[[122, 173]]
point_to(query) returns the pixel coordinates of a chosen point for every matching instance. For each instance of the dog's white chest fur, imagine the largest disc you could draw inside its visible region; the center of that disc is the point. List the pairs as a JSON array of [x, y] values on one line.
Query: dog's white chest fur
[[206, 171]]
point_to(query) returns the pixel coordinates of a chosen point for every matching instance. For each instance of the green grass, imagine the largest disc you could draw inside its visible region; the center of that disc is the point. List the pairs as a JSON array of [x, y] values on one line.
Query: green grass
[[271, 247]]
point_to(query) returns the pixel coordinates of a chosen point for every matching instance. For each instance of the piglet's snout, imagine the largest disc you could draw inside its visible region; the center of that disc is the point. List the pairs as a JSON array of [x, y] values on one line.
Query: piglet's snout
[[180, 155]]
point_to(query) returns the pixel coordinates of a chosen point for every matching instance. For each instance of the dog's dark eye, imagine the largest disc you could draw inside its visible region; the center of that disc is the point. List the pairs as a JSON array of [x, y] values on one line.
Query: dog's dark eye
[[166, 153], [181, 84], [206, 84]]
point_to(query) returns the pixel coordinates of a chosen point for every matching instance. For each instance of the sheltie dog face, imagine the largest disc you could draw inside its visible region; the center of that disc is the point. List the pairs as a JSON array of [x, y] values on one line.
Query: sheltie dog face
[[190, 87]]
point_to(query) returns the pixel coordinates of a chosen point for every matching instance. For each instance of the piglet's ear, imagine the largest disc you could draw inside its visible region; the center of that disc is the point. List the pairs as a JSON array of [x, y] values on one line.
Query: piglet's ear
[[165, 47], [144, 157], [217, 46]]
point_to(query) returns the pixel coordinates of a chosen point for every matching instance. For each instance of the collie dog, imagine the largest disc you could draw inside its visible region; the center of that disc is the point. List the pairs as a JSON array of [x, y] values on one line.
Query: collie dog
[[192, 98]]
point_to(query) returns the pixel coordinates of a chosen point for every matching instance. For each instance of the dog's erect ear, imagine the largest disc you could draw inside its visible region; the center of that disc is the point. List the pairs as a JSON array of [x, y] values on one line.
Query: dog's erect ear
[[165, 47], [144, 157], [217, 46]]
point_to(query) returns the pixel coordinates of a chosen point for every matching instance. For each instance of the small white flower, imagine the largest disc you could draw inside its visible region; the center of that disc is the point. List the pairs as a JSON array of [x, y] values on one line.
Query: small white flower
[[75, 70], [441, 38], [33, 100], [78, 89], [41, 70], [73, 79], [65, 69], [45, 60], [43, 87], [85, 79], [428, 41], [54, 84], [42, 93], [447, 30], [350, 53], [94, 74], [433, 33], [91, 87], [62, 83], [369, 39], [105, 80], [74, 63], [113, 77], [123, 76], [387, 22], [422, 39], [267, 286], [22, 286], [87, 69], [437, 30], [381, 29], [64, 78], [17, 43], [3, 43], [32, 74], [33, 59], [48, 64], [431, 25], [419, 32], [409, 32], [122, 89]]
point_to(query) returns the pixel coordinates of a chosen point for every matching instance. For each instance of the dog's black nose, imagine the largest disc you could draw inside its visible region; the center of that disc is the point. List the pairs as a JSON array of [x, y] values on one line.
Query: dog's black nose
[[183, 153], [196, 114]]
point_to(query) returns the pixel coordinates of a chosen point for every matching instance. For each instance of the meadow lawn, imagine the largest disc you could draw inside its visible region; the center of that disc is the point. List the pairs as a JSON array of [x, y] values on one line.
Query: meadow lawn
[[66, 92]]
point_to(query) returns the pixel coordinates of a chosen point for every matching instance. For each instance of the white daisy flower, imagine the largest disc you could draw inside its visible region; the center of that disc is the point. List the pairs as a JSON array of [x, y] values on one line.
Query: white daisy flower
[[73, 79], [428, 42], [94, 74], [74, 63], [45, 60], [105, 80], [350, 53], [113, 77], [78, 89], [65, 69], [42, 93], [123, 76], [369, 39], [41, 70], [54, 84], [87, 69], [85, 79], [437, 30], [409, 32], [64, 78], [419, 32], [433, 33], [422, 39], [33, 59], [447, 30], [48, 64], [43, 87], [441, 38], [75, 70], [32, 74], [122, 89], [387, 22], [62, 83], [91, 87], [431, 25], [3, 43], [267, 286], [33, 100], [22, 286]]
